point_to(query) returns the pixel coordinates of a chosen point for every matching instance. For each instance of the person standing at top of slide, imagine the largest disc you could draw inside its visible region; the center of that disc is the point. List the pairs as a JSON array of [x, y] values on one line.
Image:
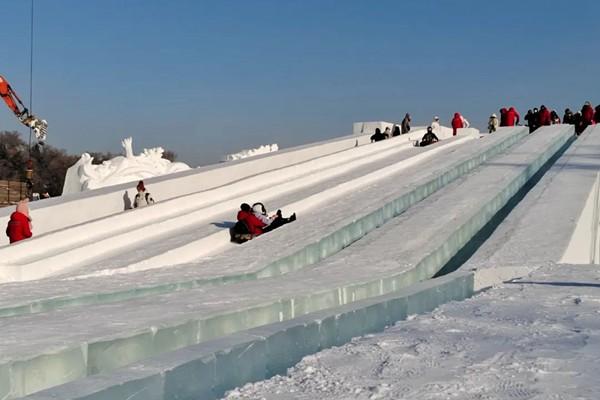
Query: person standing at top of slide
[[406, 124], [457, 123], [435, 125], [512, 117]]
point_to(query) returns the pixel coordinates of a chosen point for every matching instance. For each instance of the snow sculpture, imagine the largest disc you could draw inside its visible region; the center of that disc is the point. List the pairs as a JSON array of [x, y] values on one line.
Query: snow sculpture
[[84, 175], [252, 152]]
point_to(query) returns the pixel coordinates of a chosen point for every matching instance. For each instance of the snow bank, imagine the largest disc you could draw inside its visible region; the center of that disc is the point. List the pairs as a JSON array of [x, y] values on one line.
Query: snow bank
[[265, 149]]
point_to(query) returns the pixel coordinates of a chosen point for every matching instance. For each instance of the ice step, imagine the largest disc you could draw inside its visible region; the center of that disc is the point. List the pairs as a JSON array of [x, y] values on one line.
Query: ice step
[[205, 371]]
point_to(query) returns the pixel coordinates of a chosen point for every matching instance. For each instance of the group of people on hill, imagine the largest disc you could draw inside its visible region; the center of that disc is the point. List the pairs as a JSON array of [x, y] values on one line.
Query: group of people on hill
[[396, 130], [584, 118], [544, 116]]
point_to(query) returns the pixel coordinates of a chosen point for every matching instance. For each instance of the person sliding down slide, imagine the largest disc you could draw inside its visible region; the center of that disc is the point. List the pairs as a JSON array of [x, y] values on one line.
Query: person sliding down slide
[[249, 225], [11, 99], [272, 222]]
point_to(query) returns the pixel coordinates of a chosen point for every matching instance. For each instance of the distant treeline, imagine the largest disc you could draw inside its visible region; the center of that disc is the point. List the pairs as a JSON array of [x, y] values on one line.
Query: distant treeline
[[49, 163]]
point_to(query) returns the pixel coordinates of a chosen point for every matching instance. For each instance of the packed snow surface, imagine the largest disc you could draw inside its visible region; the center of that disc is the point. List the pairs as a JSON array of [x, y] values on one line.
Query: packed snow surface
[[84, 175], [264, 149], [537, 337]]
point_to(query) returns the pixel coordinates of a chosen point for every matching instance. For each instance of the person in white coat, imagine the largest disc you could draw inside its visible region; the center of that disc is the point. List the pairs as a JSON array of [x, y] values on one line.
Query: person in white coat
[[465, 122], [435, 125], [142, 198]]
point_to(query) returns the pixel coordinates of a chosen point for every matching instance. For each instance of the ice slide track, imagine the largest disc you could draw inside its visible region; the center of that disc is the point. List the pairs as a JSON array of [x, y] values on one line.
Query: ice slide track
[[223, 201], [304, 254], [75, 235], [522, 163]]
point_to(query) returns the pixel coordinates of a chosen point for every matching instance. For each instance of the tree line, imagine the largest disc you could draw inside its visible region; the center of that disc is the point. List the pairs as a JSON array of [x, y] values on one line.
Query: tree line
[[49, 163]]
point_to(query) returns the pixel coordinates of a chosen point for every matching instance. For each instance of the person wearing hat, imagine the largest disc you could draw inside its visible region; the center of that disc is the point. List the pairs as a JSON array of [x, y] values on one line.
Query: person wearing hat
[[435, 125], [493, 123], [428, 138], [19, 225], [142, 198]]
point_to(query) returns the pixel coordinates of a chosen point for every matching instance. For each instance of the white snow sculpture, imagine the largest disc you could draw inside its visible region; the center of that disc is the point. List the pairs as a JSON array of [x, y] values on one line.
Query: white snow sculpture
[[84, 175], [252, 152]]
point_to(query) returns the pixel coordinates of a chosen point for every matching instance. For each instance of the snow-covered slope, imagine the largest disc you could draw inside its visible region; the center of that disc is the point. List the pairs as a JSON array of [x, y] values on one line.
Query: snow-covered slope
[[142, 283]]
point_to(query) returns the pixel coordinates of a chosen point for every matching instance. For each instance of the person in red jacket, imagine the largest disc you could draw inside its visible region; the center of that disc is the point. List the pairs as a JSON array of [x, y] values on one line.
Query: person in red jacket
[[457, 123], [255, 226], [545, 118], [19, 225], [512, 117], [587, 115]]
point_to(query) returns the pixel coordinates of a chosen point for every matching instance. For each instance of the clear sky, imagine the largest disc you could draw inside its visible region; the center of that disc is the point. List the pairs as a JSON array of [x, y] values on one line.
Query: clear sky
[[206, 78]]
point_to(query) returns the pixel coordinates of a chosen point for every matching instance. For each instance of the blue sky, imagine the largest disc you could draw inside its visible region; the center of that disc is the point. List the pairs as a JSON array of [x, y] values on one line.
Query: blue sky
[[206, 78]]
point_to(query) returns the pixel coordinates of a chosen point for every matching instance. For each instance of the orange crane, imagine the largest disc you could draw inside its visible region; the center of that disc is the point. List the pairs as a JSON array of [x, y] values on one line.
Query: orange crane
[[13, 102]]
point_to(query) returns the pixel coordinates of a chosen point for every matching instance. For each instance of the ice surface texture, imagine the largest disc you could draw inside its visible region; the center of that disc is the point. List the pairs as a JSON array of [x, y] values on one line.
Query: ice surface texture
[[83, 207], [207, 370], [327, 243]]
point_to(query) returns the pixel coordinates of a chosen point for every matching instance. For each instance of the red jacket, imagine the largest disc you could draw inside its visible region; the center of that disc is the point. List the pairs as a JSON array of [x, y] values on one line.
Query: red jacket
[[587, 114], [457, 123], [254, 224], [545, 118], [18, 227], [512, 117]]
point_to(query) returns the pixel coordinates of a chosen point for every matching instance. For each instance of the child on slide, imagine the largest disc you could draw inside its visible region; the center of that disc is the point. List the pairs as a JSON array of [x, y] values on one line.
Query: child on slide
[[274, 221]]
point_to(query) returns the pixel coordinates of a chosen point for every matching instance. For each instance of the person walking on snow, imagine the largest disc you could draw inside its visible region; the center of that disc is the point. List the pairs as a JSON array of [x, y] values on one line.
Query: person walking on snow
[[493, 123], [545, 117], [142, 198], [457, 123], [554, 117], [19, 225], [512, 117], [435, 125], [503, 112], [587, 115], [597, 115], [568, 117], [406, 124]]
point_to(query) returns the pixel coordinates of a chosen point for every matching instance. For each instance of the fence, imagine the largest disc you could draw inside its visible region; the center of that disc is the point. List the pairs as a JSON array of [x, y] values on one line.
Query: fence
[[11, 192]]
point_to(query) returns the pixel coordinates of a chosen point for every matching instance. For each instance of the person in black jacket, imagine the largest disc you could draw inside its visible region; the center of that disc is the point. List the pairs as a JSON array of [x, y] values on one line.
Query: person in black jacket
[[428, 138], [377, 136], [406, 124], [568, 117]]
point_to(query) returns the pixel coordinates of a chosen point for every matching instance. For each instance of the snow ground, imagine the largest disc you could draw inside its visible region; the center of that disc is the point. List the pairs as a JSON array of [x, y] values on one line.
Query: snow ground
[[493, 346]]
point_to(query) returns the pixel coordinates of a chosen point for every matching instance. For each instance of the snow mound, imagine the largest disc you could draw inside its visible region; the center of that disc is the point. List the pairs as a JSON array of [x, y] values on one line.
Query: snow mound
[[84, 175], [267, 148]]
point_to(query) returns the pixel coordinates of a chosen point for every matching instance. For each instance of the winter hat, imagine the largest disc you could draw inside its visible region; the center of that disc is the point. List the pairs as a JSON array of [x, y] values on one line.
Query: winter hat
[[259, 208], [436, 118], [23, 207], [140, 186], [494, 116]]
